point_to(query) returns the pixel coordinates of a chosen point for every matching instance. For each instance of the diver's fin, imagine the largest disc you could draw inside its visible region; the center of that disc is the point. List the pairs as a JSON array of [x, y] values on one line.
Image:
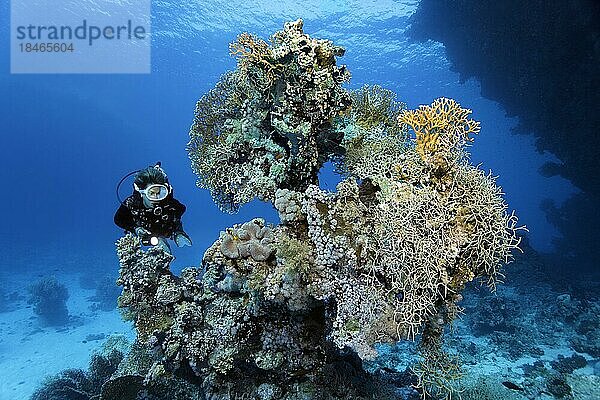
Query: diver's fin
[[162, 243], [182, 239]]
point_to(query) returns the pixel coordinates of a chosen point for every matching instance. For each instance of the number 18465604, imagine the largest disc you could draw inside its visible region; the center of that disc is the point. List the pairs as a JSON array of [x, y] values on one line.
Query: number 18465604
[[46, 47]]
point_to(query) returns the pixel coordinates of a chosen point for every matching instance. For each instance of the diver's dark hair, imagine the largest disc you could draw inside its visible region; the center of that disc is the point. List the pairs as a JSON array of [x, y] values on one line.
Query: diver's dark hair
[[150, 175]]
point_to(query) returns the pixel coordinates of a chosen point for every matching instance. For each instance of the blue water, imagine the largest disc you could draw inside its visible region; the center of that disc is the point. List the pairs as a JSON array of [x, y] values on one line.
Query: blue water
[[68, 139]]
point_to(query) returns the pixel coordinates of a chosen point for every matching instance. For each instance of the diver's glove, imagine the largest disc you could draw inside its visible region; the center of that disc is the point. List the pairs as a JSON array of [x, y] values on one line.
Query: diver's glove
[[142, 232], [182, 239], [164, 245]]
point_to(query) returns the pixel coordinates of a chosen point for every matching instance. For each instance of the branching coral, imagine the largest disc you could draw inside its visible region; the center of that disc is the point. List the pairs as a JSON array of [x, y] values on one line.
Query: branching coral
[[226, 148], [442, 126], [253, 52], [376, 109], [373, 140]]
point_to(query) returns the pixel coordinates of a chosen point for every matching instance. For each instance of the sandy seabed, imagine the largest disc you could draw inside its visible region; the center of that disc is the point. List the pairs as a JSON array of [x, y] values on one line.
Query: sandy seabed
[[30, 351]]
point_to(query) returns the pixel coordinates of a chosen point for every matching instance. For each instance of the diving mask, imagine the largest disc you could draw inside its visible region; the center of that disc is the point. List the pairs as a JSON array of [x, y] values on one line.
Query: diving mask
[[155, 192]]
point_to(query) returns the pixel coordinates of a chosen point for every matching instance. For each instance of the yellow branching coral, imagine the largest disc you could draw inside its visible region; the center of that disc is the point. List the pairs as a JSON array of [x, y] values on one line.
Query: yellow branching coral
[[442, 126], [251, 50]]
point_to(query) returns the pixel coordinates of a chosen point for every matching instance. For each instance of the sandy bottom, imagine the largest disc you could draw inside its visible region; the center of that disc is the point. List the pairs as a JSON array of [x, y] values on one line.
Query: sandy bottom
[[29, 351]]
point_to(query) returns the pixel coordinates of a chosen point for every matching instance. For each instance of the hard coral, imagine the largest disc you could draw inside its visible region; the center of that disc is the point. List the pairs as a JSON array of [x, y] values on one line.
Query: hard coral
[[252, 51], [442, 126], [77, 384], [233, 338], [288, 204], [49, 300], [376, 108], [267, 125]]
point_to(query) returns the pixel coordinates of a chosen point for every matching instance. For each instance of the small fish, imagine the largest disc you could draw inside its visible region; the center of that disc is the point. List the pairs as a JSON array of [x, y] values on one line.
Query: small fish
[[512, 386]]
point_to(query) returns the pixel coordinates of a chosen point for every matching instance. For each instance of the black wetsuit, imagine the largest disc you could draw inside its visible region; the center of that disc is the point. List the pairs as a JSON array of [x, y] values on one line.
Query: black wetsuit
[[163, 220]]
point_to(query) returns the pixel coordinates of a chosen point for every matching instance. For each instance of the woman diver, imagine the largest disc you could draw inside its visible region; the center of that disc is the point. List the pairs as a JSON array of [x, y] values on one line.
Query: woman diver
[[151, 211]]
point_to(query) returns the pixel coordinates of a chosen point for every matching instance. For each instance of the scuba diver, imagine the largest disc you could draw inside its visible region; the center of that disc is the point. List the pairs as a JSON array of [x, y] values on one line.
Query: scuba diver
[[151, 212]]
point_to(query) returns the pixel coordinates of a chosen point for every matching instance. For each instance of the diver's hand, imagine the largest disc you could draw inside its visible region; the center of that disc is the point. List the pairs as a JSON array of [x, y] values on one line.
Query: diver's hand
[[142, 232], [182, 239]]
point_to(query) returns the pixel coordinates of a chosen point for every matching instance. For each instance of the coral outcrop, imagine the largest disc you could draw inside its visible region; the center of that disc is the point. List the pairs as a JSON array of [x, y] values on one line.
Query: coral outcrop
[[268, 124], [290, 311], [49, 300]]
